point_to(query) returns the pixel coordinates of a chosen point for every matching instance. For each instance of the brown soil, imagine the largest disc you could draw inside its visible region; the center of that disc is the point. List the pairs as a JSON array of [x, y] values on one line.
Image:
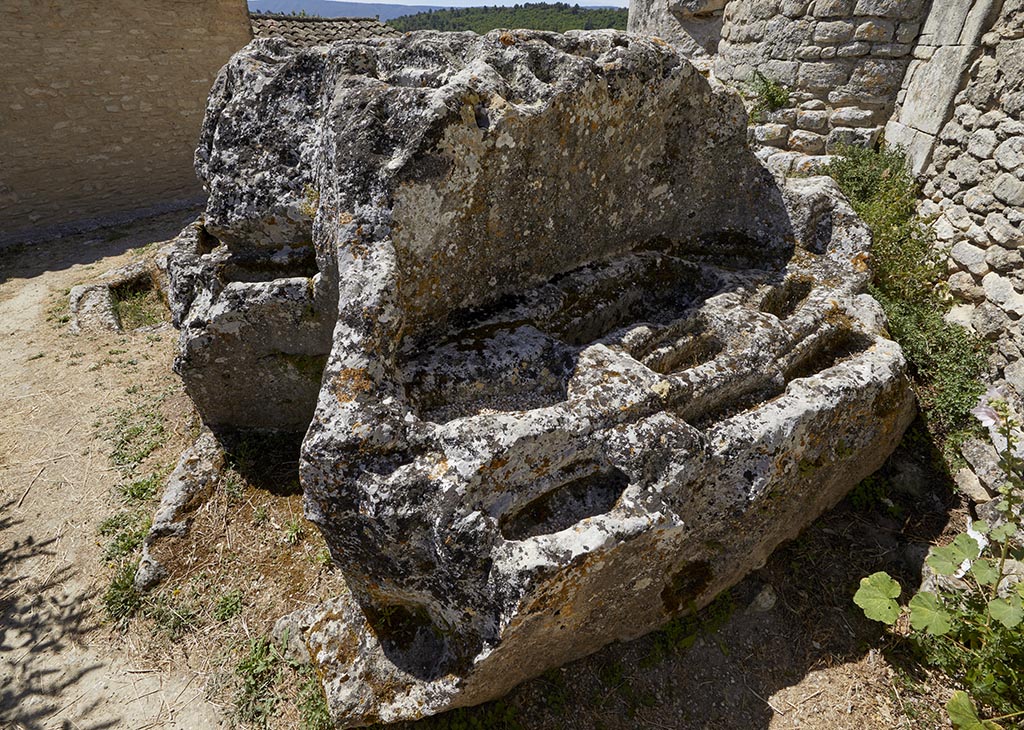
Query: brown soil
[[787, 649]]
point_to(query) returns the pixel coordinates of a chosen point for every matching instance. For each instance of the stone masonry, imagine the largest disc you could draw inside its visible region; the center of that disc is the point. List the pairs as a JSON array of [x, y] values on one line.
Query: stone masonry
[[842, 61], [102, 104]]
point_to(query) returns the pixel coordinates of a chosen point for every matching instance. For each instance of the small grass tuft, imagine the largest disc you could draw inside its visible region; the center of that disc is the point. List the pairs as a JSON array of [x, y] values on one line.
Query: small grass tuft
[[126, 531], [138, 305], [769, 95], [121, 600], [141, 490], [228, 605], [258, 673], [313, 712]]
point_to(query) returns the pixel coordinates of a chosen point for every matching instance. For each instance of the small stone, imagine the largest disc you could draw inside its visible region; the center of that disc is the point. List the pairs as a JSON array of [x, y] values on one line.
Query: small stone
[[851, 116], [1000, 291], [907, 32], [1010, 128], [979, 200], [844, 136], [1014, 374], [813, 120], [989, 321], [1010, 154], [970, 486], [765, 600], [962, 286], [991, 119], [773, 135], [959, 217], [982, 143], [814, 105], [822, 76], [876, 31], [891, 50], [1009, 189], [1003, 259], [899, 9], [1002, 232], [960, 314], [838, 31], [967, 115], [970, 257], [853, 50], [809, 143], [833, 8], [965, 169], [984, 461]]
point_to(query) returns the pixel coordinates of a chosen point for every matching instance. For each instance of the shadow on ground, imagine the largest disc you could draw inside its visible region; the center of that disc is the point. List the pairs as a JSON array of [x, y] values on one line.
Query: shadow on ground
[[38, 619], [720, 669], [28, 260]]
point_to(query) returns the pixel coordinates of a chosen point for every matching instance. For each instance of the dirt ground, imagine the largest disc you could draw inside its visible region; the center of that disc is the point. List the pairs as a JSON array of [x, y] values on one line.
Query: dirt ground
[[786, 649]]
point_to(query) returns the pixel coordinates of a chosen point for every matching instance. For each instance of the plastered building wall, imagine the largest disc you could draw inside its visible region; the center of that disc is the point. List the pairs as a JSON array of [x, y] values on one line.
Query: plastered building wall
[[101, 102]]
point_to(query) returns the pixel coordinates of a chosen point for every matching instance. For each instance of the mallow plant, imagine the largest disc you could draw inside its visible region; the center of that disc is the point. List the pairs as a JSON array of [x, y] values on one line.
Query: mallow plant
[[970, 622]]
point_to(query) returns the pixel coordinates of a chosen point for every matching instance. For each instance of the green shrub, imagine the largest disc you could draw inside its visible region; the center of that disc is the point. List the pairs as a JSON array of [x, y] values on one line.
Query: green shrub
[[121, 600], [946, 360], [769, 95], [258, 673], [970, 626]]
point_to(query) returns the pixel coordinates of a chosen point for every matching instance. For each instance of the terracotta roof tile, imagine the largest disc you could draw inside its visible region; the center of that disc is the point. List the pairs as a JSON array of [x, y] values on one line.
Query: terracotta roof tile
[[318, 31]]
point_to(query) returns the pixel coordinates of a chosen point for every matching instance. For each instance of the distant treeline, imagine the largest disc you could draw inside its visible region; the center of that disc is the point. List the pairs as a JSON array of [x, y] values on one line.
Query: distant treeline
[[535, 16]]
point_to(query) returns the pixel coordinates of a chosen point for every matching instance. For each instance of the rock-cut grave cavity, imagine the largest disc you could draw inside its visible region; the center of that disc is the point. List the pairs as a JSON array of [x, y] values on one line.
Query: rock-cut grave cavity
[[568, 360]]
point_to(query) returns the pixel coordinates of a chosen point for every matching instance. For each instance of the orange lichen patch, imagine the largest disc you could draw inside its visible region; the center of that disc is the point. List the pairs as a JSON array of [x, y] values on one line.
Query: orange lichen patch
[[350, 382], [494, 464], [344, 218], [507, 39], [861, 261]]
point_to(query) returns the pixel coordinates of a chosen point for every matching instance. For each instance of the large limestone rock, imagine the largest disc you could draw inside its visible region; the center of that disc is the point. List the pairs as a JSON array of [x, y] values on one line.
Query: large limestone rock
[[586, 363]]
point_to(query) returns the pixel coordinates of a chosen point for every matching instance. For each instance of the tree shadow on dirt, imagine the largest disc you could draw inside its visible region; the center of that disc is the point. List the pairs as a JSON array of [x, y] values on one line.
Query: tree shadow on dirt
[[27, 260], [37, 620], [721, 668]]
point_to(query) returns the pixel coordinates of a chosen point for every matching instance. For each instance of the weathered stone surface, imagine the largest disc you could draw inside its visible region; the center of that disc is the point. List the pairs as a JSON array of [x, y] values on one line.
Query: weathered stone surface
[[93, 307], [188, 487], [590, 364]]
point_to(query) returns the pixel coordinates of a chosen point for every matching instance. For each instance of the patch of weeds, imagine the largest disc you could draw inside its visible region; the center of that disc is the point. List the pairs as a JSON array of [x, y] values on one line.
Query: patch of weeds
[[769, 95], [969, 625], [141, 490], [260, 516], [947, 361], [126, 531], [233, 486], [873, 494], [228, 605], [313, 712], [294, 531], [121, 600], [138, 305], [258, 673], [59, 312], [680, 634], [173, 617], [136, 433], [556, 693]]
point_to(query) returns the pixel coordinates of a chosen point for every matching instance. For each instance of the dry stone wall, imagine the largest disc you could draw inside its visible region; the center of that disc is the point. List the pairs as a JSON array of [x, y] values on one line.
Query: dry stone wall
[[974, 189], [102, 104], [842, 60]]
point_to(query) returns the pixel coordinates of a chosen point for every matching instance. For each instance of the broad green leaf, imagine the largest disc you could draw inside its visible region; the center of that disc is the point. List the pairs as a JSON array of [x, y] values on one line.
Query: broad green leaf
[[927, 614], [980, 526], [963, 715], [948, 559], [985, 571], [1008, 612], [1020, 589], [875, 596], [1005, 530]]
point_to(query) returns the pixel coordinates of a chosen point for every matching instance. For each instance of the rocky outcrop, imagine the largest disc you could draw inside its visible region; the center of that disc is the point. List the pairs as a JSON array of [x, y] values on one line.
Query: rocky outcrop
[[587, 364]]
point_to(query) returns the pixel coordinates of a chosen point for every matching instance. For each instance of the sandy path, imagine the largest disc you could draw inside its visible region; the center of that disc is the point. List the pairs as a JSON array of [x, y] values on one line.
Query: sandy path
[[61, 665]]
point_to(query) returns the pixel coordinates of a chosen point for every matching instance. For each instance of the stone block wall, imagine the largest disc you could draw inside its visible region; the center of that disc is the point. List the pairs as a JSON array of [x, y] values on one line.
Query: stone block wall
[[101, 102], [843, 61], [974, 191]]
